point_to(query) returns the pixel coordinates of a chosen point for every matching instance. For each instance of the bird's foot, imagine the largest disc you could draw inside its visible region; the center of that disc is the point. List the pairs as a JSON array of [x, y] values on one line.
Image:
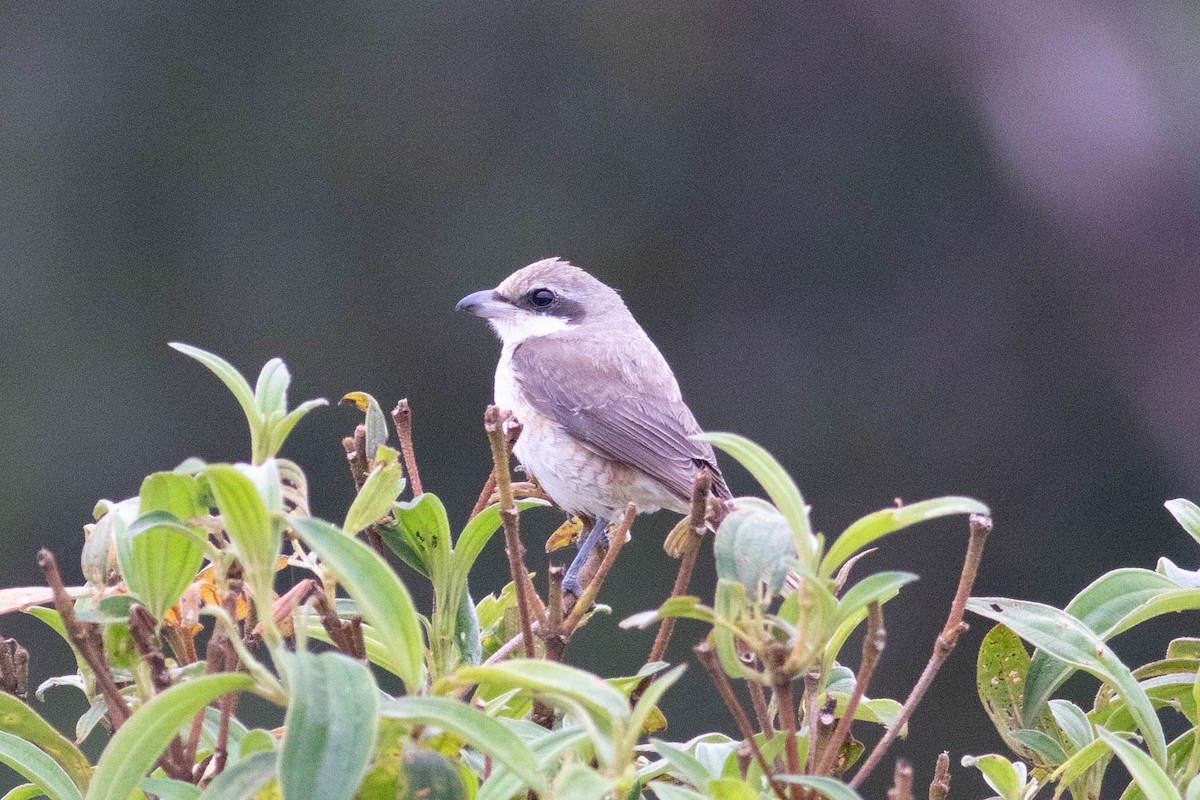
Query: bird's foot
[[597, 537]]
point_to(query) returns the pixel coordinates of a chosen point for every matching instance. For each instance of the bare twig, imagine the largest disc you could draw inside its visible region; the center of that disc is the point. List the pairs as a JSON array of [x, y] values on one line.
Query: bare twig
[[902, 782], [872, 651], [333, 626], [981, 526], [526, 595], [555, 642], [615, 543], [940, 787], [787, 716], [402, 418], [142, 630], [356, 454], [708, 657], [485, 494], [86, 639], [812, 719], [758, 699], [687, 563]]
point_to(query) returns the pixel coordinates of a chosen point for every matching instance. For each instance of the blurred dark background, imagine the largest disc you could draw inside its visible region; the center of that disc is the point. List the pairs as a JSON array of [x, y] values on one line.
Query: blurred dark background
[[913, 249]]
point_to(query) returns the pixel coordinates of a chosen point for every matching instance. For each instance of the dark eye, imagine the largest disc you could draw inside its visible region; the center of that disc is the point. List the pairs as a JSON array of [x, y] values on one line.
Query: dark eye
[[541, 298]]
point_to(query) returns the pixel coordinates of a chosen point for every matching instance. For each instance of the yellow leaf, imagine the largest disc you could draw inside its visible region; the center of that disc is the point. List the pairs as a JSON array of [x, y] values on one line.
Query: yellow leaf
[[566, 534]]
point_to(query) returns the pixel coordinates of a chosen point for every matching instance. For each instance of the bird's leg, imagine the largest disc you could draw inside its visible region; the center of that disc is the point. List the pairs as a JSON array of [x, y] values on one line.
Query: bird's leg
[[596, 536]]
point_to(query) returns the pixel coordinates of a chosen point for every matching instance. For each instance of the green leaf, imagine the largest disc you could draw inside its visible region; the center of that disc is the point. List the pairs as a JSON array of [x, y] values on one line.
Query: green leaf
[[479, 531], [753, 546], [1147, 774], [1110, 605], [473, 727], [159, 556], [649, 700], [880, 587], [243, 780], [232, 379], [278, 431], [1080, 762], [26, 791], [670, 791], [580, 783], [831, 788], [1069, 640], [681, 607], [1048, 750], [775, 481], [375, 498], [34, 765], [686, 766], [139, 742], [428, 775], [255, 539], [1005, 777], [170, 789], [22, 721], [875, 526], [330, 725], [376, 422], [549, 678], [1073, 722], [1187, 514], [270, 392], [547, 748], [729, 604], [381, 597]]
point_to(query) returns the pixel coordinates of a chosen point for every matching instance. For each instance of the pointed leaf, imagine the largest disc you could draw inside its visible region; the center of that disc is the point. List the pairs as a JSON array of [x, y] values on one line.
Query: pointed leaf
[[649, 699], [22, 721], [1105, 608], [382, 599], [775, 481], [139, 742], [232, 379], [1187, 514], [278, 431], [255, 539], [1005, 777], [1146, 773], [376, 422], [243, 780], [34, 765], [330, 725], [270, 391], [159, 556], [473, 727], [375, 498], [170, 789], [880, 587], [548, 677], [1069, 640], [875, 526]]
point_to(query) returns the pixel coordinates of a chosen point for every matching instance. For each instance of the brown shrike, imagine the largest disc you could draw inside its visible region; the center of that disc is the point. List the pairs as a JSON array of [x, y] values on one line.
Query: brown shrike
[[603, 421]]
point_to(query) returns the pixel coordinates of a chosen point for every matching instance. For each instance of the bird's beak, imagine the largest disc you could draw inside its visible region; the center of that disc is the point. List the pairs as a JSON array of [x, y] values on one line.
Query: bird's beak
[[486, 303]]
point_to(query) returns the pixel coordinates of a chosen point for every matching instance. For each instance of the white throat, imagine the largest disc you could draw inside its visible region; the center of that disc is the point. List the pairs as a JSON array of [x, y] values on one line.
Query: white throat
[[515, 329]]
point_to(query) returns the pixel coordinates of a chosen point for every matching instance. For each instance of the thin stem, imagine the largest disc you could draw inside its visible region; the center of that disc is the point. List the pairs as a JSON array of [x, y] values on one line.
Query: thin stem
[[141, 630], [872, 652], [687, 563], [758, 699], [402, 418], [86, 640], [708, 657], [812, 692], [981, 526], [787, 716], [511, 520], [489, 488]]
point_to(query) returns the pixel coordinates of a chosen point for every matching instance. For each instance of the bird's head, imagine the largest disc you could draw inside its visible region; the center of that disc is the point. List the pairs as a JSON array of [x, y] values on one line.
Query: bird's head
[[544, 298]]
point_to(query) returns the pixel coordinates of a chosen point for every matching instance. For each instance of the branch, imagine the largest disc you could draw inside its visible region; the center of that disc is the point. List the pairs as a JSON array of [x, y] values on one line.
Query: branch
[[872, 651], [141, 629], [981, 526], [526, 595], [402, 418], [86, 639], [902, 782], [708, 657], [698, 524]]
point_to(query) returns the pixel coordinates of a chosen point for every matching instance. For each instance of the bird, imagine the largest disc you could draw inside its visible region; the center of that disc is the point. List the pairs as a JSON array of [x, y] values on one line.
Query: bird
[[603, 421]]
